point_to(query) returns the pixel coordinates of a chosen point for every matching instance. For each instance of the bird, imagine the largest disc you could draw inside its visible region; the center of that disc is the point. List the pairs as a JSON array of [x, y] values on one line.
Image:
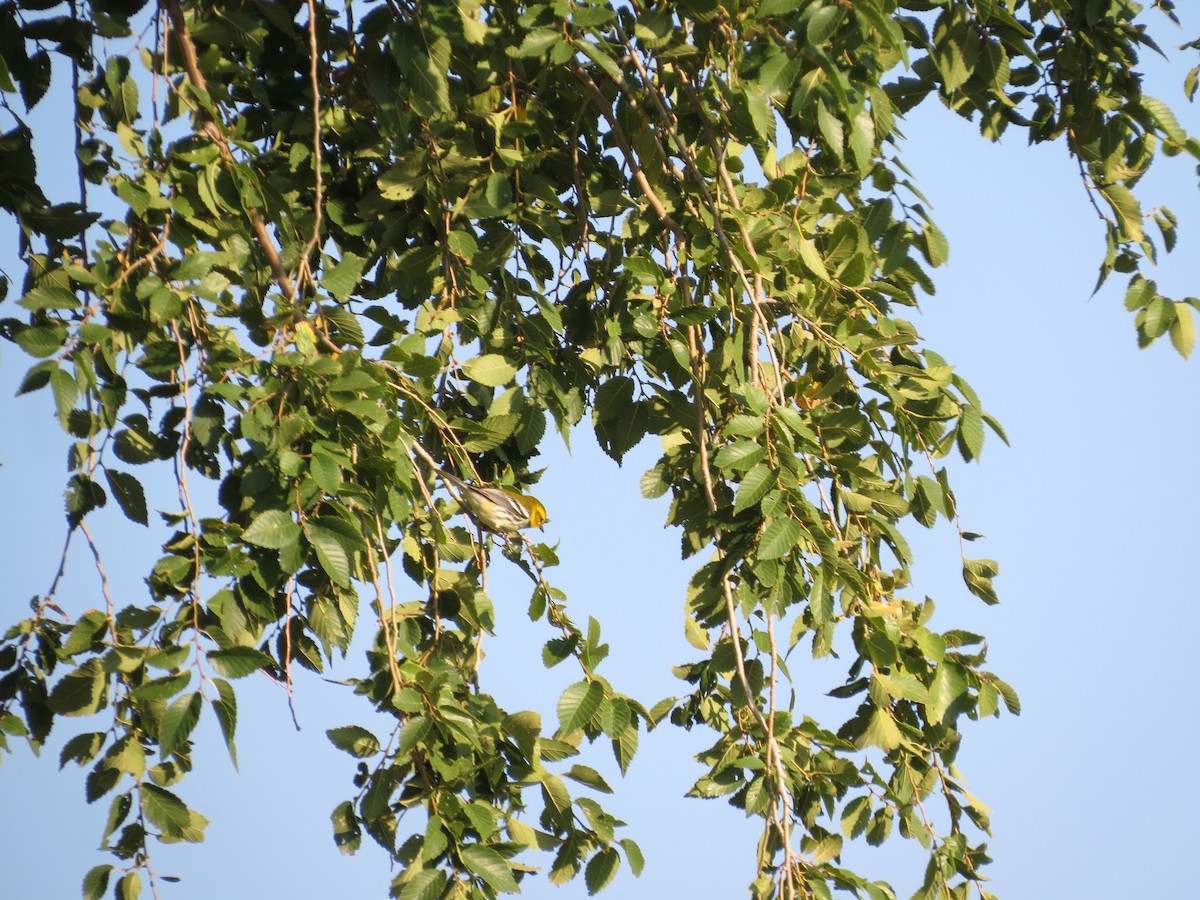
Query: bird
[[497, 509]]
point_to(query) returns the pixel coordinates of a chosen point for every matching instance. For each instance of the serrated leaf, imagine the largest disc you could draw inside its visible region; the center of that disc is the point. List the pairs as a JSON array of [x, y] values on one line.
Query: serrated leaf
[[881, 731], [129, 887], [949, 683], [346, 832], [355, 740], [490, 370], [633, 853], [937, 248], [462, 244], [238, 662], [779, 537], [491, 867], [601, 870], [811, 258], [855, 817], [1011, 700], [755, 485], [130, 495], [970, 432], [273, 529], [1127, 209], [341, 280], [428, 884], [739, 455], [50, 296], [332, 553], [225, 707], [80, 692], [578, 704], [171, 815], [95, 882], [66, 391], [589, 776], [1183, 329], [177, 722], [1164, 117], [82, 748], [654, 483], [413, 732]]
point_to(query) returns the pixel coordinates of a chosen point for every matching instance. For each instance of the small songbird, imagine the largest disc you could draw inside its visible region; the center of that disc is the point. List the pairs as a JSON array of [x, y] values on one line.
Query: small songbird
[[497, 509]]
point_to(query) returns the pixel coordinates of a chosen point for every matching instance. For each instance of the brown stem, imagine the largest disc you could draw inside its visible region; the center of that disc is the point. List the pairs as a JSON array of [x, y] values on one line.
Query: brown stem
[[213, 130]]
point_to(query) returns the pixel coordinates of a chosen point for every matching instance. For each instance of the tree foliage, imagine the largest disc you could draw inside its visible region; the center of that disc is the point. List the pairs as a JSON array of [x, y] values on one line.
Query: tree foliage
[[317, 247]]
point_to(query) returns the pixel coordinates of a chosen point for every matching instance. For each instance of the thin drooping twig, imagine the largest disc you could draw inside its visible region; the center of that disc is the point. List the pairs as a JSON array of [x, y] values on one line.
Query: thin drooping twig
[[304, 273], [214, 131]]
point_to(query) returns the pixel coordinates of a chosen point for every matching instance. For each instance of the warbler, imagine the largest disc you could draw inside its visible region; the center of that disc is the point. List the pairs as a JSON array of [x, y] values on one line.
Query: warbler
[[496, 509]]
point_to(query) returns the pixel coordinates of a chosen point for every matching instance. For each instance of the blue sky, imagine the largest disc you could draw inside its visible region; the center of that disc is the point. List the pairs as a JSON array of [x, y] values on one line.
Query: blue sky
[[1089, 513]]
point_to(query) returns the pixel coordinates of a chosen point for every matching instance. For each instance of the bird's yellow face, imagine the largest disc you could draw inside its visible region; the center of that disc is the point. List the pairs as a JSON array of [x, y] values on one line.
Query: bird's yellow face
[[537, 513]]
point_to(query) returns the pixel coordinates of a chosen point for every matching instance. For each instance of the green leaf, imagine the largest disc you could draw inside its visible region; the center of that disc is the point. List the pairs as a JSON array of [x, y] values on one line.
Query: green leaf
[[811, 258], [761, 115], [355, 740], [578, 704], [82, 748], [428, 884], [490, 370], [625, 747], [41, 341], [590, 777], [862, 142], [225, 707], [341, 280], [855, 817], [601, 870], [881, 731], [331, 553], [177, 722], [1011, 700], [834, 133], [273, 529], [654, 483], [238, 662], [970, 432], [50, 296], [949, 683], [414, 731], [937, 248], [1183, 329], [66, 391], [171, 815], [95, 882], [633, 853], [463, 244], [739, 455], [779, 537], [162, 688], [346, 832], [822, 24], [619, 421], [129, 887], [978, 575], [1127, 209], [489, 865], [80, 692], [1164, 118], [130, 496], [87, 631], [755, 485]]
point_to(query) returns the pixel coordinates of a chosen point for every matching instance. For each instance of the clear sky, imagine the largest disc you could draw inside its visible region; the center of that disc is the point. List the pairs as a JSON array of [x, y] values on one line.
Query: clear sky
[[1089, 514]]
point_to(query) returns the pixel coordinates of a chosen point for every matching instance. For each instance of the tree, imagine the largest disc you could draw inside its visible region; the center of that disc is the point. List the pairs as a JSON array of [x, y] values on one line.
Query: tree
[[353, 244]]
